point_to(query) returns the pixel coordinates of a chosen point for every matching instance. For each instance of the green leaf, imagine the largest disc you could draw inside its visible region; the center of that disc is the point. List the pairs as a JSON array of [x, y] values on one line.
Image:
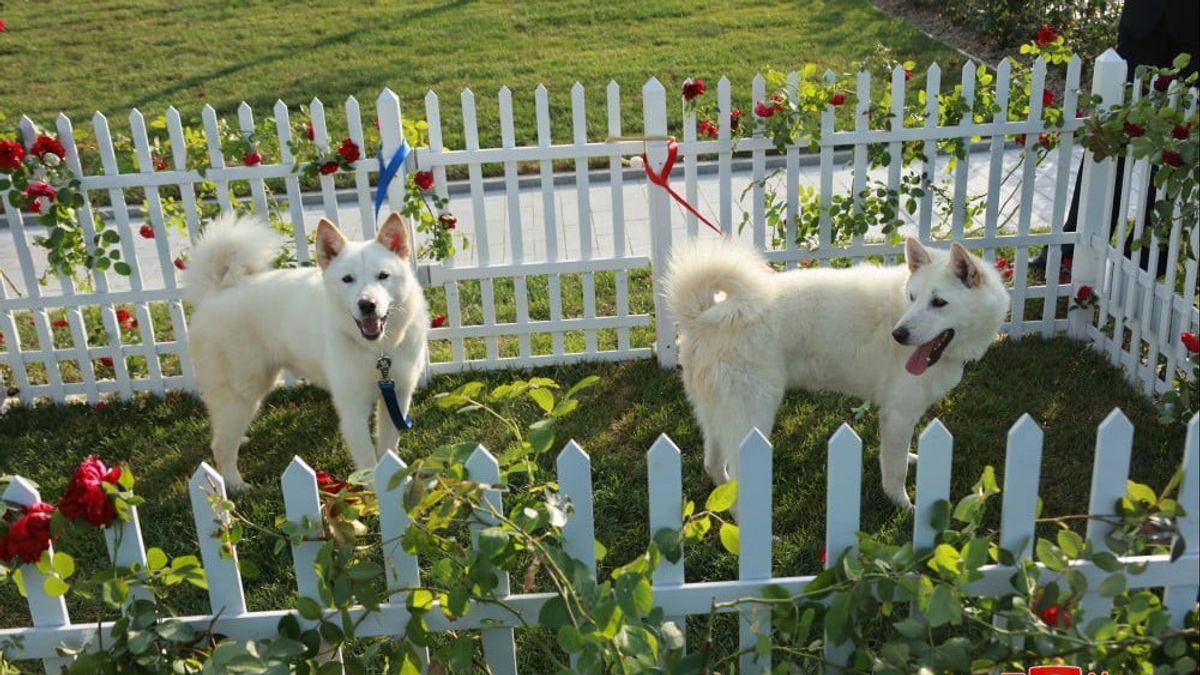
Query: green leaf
[[943, 608], [543, 398], [308, 608], [55, 587], [721, 498], [420, 600], [122, 268], [1070, 543], [156, 559], [946, 559], [178, 631], [569, 639], [911, 628], [1051, 556], [670, 543], [63, 564], [643, 596], [1113, 585], [730, 536], [1140, 493]]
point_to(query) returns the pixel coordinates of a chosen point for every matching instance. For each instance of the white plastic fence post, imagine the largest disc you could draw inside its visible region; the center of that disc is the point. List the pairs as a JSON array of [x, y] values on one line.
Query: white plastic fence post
[[300, 502], [45, 610], [123, 539], [575, 486], [933, 482], [1095, 196], [842, 513], [754, 545], [1179, 600], [400, 568], [654, 112], [664, 479], [1110, 471], [225, 594], [499, 650]]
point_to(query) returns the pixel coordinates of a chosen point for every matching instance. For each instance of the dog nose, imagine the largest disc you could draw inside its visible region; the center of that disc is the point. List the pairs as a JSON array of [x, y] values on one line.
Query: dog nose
[[366, 307], [901, 335]]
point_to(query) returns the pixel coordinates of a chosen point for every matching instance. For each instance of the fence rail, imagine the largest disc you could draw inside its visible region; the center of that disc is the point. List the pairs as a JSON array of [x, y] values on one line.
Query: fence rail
[[1180, 578]]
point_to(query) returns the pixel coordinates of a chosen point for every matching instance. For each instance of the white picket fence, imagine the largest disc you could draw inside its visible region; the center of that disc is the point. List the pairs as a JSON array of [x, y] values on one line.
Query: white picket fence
[[596, 224], [1021, 471]]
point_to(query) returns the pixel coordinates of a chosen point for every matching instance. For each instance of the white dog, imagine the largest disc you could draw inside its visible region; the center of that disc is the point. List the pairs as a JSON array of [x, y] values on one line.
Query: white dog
[[897, 336], [329, 326]]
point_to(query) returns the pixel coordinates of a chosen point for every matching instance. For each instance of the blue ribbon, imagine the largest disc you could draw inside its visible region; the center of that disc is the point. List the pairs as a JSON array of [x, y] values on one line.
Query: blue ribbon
[[388, 172], [387, 389]]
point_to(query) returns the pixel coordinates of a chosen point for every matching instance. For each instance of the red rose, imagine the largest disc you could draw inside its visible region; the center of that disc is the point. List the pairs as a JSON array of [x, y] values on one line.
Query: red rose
[[327, 483], [101, 405], [328, 168], [821, 556], [125, 319], [907, 74], [423, 180], [1046, 141], [147, 231], [106, 361], [448, 221], [1067, 262], [1047, 97], [1020, 139], [763, 110], [1046, 35], [1001, 263], [1133, 130], [837, 98], [308, 130], [160, 164], [85, 497], [349, 151], [180, 264], [45, 144], [3, 26], [1056, 617], [1007, 273], [1181, 132], [438, 321], [735, 118], [708, 128], [59, 323], [376, 121], [1084, 294], [29, 535], [692, 89], [1190, 341], [37, 189], [11, 153], [1163, 82], [252, 158], [1172, 158]]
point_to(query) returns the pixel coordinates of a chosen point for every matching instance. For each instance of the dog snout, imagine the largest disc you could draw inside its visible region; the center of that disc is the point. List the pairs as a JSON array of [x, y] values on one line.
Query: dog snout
[[367, 307], [900, 335]]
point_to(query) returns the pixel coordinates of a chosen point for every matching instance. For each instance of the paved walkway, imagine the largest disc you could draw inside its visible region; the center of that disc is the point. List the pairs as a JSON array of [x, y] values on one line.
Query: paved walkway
[[604, 211]]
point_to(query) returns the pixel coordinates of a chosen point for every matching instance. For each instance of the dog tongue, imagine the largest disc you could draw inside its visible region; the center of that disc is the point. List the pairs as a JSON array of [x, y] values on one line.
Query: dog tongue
[[919, 361], [370, 326]]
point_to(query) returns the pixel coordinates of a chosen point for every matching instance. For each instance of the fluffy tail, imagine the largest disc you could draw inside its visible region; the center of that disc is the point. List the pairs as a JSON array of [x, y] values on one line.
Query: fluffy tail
[[712, 282], [231, 248]]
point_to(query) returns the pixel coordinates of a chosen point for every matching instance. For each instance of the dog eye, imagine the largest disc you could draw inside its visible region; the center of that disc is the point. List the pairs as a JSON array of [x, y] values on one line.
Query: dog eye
[[912, 298], [383, 275], [348, 279], [938, 302]]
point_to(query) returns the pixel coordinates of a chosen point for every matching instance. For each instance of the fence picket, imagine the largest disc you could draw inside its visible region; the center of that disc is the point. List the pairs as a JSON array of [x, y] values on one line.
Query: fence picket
[[44, 609], [792, 172], [302, 503], [584, 204], [725, 156], [691, 187], [1179, 600], [933, 482], [663, 477], [861, 123], [1110, 470], [498, 647], [401, 570], [482, 248], [216, 156], [541, 101], [754, 546], [225, 592], [1016, 324], [616, 182], [362, 168], [758, 226], [433, 117], [933, 87], [842, 513], [283, 131], [575, 487], [123, 540], [654, 117], [1063, 187], [512, 195], [962, 165]]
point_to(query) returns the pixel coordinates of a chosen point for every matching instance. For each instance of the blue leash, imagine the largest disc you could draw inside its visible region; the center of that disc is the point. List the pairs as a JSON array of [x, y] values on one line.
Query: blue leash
[[388, 172], [387, 388]]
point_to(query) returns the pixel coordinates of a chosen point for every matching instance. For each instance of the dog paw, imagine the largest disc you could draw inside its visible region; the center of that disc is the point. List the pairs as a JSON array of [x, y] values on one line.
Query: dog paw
[[913, 457], [234, 484], [901, 500]]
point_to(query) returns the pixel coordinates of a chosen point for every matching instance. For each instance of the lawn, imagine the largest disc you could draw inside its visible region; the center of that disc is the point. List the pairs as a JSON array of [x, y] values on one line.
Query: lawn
[[1067, 388], [113, 55]]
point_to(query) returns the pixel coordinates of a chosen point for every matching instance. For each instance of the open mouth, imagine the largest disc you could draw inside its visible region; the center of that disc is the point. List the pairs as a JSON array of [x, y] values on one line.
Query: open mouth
[[371, 327], [928, 354]]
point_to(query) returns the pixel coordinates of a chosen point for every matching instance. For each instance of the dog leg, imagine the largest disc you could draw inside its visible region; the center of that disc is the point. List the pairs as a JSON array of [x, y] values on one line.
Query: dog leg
[[230, 419], [895, 436], [353, 404], [386, 433]]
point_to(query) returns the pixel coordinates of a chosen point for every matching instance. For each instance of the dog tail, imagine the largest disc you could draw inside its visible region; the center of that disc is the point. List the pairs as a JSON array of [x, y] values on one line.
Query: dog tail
[[231, 248], [713, 282]]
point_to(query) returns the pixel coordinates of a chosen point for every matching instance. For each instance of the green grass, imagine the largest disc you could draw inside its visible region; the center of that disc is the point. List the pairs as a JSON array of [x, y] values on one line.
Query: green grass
[[1067, 388], [113, 55]]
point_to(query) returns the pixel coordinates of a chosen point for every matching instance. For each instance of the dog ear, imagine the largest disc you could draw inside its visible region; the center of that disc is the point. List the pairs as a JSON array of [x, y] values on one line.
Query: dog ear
[[394, 235], [329, 242], [915, 254], [963, 266]]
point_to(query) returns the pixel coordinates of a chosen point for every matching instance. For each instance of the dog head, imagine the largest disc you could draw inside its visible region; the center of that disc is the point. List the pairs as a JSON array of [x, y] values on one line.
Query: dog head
[[956, 303], [367, 281]]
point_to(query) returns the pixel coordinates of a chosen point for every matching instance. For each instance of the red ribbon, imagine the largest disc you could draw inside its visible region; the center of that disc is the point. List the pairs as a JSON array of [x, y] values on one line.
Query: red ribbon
[[660, 179]]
